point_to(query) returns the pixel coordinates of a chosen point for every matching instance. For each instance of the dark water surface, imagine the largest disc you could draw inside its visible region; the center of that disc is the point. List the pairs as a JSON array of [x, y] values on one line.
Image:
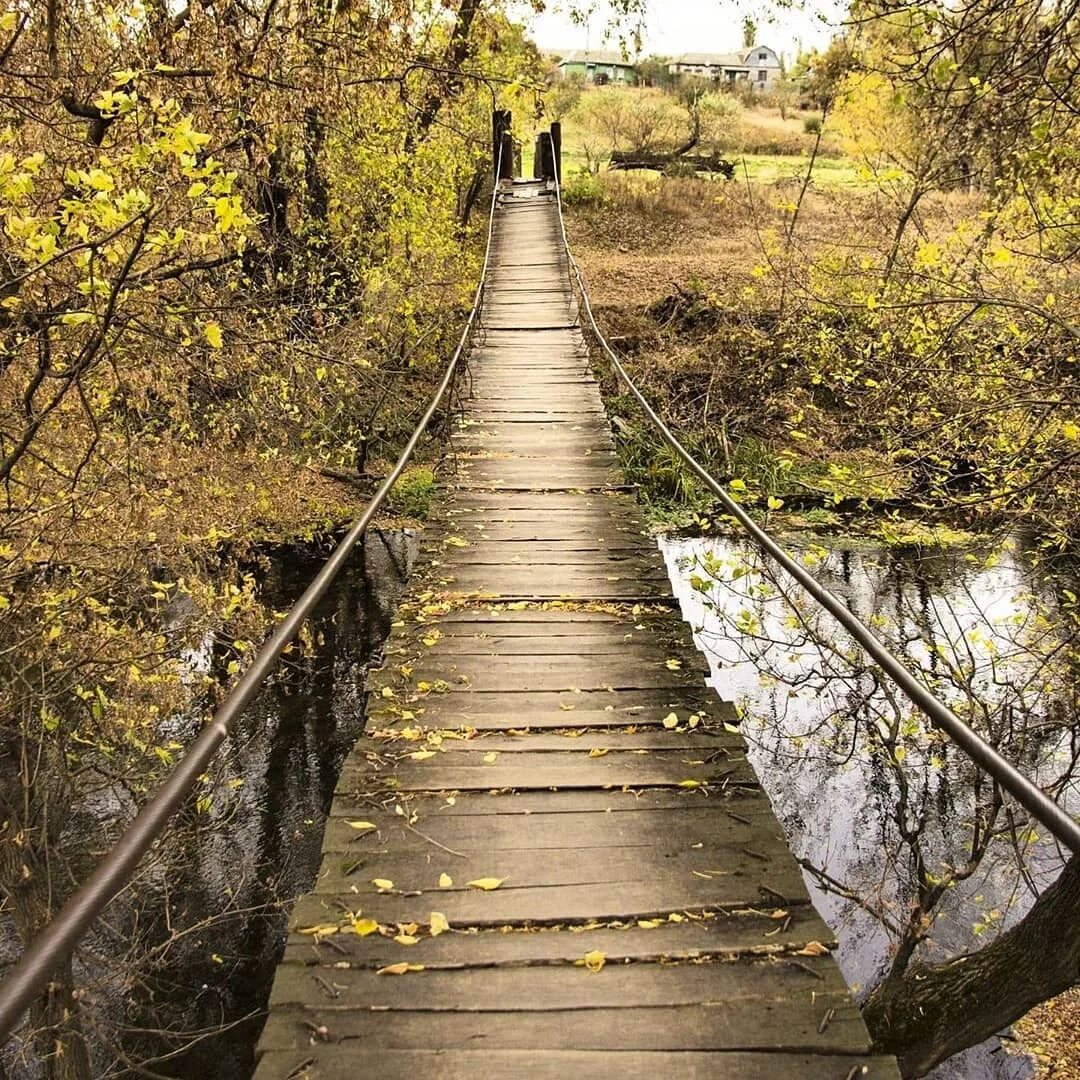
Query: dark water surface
[[808, 703], [280, 777]]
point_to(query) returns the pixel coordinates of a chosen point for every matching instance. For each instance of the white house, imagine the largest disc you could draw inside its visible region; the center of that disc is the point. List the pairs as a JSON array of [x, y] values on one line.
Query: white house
[[759, 66]]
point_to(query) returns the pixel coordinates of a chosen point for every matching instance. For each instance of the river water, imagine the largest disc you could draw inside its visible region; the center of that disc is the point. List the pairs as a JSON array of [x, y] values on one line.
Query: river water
[[811, 713]]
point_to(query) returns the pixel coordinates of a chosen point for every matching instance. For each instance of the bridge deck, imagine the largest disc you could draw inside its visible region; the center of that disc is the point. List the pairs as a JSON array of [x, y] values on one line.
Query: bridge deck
[[541, 724]]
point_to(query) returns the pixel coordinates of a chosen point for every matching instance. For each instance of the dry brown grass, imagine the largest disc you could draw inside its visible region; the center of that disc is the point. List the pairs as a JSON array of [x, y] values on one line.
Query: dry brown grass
[[651, 232], [763, 130], [1051, 1034]]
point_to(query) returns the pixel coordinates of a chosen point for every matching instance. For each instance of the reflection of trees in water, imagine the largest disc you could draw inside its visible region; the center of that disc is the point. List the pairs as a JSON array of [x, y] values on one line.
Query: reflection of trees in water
[[913, 852], [192, 948]]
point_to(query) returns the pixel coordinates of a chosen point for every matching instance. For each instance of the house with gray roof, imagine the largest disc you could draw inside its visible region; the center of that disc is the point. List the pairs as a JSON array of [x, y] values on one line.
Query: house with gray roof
[[760, 66]]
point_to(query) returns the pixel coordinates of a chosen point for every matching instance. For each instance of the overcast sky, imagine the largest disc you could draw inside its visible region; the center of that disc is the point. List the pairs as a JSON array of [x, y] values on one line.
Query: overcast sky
[[677, 26]]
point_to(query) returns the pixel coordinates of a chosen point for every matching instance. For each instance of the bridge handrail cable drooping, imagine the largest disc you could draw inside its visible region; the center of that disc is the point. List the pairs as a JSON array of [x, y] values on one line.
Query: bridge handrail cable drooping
[[1041, 807], [59, 938]]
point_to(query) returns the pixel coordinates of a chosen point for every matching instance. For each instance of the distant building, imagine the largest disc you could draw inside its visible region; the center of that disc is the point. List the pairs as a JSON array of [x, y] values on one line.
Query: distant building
[[597, 65], [759, 66]]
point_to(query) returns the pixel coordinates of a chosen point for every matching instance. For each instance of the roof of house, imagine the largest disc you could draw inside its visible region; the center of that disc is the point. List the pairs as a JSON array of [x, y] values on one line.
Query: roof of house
[[596, 56], [739, 59]]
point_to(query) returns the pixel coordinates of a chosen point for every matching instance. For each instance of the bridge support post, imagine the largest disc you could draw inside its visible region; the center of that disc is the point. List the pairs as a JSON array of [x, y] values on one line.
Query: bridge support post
[[547, 158], [556, 149], [507, 170], [502, 166]]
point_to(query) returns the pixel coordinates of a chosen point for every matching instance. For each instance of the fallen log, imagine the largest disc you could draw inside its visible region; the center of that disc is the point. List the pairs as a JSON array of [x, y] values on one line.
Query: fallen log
[[710, 163]]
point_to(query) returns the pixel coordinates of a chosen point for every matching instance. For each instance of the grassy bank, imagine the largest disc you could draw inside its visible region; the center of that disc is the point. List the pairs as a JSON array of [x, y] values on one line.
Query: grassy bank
[[814, 401]]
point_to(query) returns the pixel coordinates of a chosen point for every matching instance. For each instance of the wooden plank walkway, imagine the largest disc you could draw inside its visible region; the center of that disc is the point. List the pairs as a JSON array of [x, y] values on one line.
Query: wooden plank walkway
[[542, 723]]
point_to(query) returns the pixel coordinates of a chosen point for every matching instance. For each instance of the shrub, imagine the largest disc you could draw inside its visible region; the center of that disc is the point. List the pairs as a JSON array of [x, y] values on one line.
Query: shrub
[[812, 125], [414, 492], [583, 188]]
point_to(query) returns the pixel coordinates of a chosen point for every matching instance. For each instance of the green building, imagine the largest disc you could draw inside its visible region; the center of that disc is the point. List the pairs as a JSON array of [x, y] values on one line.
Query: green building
[[597, 66]]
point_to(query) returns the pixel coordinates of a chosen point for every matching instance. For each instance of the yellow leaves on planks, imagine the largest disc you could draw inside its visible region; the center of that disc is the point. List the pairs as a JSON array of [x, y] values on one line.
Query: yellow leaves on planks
[[486, 883], [593, 961], [399, 969]]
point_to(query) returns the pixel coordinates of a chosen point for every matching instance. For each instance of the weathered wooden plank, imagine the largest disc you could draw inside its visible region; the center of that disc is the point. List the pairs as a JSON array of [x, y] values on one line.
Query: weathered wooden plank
[[561, 988], [568, 903], [711, 841], [522, 673], [346, 1061], [749, 933], [538, 771], [741, 805], [521, 870]]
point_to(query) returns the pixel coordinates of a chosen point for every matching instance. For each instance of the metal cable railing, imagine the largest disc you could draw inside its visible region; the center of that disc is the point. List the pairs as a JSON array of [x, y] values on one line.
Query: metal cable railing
[[42, 956], [1041, 807]]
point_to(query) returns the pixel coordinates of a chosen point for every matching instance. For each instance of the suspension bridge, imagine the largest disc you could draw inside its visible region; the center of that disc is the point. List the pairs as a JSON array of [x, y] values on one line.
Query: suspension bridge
[[547, 854], [541, 728]]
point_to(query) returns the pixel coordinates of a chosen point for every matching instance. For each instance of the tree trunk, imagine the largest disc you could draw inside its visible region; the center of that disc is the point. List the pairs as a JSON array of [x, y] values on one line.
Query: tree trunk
[[935, 1011], [457, 53], [58, 1031]]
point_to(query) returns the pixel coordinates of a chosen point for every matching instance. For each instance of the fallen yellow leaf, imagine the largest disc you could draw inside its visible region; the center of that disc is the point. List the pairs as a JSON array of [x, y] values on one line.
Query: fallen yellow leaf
[[595, 960], [422, 755], [361, 824], [490, 757], [673, 665], [399, 969], [487, 883], [445, 881], [382, 883], [322, 930], [439, 923], [363, 927], [405, 939], [812, 948], [670, 721]]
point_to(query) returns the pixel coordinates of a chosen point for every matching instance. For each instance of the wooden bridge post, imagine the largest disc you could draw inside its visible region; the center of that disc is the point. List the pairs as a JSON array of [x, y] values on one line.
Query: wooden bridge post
[[503, 167], [506, 172], [556, 149], [546, 156], [537, 158]]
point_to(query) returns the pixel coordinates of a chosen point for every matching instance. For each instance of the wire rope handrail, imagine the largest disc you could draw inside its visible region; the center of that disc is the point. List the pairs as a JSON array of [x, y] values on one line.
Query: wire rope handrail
[[59, 938], [1041, 807]]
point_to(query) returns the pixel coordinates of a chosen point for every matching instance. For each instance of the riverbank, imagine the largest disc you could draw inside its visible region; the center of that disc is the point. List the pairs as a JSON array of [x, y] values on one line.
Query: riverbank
[[1050, 1033], [764, 341]]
